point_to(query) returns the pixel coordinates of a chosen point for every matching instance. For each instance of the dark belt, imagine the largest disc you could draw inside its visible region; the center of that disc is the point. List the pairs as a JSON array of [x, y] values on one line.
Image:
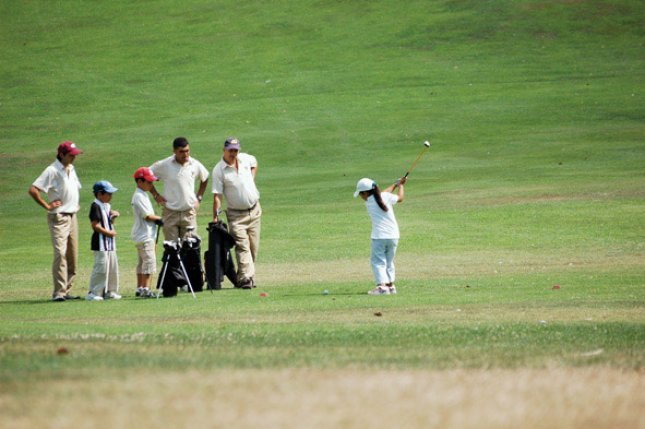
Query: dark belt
[[244, 210], [67, 214]]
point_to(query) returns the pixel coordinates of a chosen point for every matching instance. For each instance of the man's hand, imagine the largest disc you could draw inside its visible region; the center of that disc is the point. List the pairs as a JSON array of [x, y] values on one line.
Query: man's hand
[[160, 200]]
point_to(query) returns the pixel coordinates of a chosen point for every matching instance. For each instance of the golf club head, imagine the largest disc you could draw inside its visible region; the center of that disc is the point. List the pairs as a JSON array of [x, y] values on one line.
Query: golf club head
[[426, 143]]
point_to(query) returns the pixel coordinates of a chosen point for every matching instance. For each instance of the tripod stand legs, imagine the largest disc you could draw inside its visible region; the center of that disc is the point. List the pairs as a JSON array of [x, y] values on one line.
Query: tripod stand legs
[[163, 277], [183, 270]]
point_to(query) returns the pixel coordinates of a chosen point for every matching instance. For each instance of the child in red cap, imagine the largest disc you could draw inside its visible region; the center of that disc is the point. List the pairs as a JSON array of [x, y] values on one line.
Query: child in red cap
[[143, 230]]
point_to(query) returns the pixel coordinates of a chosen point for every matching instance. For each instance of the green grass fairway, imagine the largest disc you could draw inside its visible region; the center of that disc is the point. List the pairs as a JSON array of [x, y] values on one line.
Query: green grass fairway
[[535, 178]]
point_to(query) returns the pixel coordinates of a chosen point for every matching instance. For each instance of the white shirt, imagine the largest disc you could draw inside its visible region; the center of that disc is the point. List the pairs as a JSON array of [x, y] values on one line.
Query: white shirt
[[60, 185], [142, 230], [236, 184], [179, 181], [384, 224]]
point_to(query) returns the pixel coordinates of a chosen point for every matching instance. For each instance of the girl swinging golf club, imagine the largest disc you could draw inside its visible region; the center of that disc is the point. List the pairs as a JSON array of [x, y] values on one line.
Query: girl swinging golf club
[[385, 230]]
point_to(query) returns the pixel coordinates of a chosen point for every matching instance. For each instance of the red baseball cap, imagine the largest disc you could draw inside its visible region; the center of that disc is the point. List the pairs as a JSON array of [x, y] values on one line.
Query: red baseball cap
[[68, 147], [146, 174]]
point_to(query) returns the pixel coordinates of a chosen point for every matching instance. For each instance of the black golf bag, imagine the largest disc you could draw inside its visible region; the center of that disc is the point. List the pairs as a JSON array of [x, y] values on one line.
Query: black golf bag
[[191, 252], [179, 261], [218, 259], [171, 276]]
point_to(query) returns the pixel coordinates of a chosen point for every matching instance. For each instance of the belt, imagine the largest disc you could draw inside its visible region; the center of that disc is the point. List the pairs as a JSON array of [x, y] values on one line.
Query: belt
[[67, 214], [244, 210]]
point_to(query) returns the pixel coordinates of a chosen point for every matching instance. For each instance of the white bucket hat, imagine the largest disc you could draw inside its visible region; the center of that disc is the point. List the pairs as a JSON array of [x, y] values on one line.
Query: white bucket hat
[[363, 185]]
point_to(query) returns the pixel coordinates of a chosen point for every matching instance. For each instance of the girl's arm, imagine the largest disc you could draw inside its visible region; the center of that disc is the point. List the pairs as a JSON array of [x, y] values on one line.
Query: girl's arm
[[401, 192]]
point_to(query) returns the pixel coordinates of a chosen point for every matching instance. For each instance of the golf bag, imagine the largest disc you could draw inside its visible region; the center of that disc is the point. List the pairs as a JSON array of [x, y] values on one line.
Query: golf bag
[[171, 277], [178, 259], [191, 251], [218, 259]]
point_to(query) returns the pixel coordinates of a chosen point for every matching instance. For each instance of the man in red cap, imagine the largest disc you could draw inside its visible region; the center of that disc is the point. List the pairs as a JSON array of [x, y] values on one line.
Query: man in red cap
[[143, 230], [60, 183]]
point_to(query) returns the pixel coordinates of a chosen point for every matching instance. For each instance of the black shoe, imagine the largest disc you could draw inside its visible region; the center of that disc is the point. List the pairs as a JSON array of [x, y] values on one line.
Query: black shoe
[[69, 297], [58, 298]]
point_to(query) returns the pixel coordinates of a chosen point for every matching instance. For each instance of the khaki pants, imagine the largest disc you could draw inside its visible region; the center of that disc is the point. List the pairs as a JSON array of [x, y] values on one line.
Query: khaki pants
[[63, 229], [244, 226], [175, 223]]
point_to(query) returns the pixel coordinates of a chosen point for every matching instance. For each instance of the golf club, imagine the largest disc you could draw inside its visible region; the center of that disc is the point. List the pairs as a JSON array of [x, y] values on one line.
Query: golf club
[[107, 274], [426, 146]]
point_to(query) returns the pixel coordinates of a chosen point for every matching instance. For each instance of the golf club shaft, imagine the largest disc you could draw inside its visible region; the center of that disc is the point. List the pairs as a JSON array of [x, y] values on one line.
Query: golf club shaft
[[414, 164]]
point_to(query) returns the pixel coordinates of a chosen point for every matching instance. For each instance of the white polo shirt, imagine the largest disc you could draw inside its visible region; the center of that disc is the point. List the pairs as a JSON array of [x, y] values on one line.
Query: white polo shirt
[[60, 185], [384, 224], [142, 230], [236, 184], [179, 181]]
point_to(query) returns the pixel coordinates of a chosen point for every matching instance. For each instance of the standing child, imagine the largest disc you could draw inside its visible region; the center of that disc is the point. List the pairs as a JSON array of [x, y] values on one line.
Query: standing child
[[385, 231], [104, 281], [143, 230]]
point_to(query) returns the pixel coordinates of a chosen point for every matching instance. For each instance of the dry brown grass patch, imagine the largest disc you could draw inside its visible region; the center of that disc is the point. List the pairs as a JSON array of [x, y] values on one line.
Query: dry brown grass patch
[[308, 398]]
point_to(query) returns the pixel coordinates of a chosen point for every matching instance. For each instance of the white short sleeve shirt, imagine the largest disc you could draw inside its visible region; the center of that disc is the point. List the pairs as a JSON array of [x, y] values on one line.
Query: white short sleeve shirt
[[142, 229], [60, 185], [237, 184], [384, 224], [179, 181]]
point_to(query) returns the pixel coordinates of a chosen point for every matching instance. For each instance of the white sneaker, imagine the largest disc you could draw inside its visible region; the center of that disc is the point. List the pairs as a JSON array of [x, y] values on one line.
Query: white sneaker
[[146, 293], [91, 297], [112, 295], [139, 291], [392, 290], [379, 290]]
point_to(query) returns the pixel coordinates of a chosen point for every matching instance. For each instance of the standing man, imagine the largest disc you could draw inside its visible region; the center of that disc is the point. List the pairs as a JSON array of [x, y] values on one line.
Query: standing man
[[60, 183], [180, 202], [234, 177]]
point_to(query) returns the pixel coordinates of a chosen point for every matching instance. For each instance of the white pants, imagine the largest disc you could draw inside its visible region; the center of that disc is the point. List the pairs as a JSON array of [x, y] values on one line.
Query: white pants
[[106, 271], [382, 260]]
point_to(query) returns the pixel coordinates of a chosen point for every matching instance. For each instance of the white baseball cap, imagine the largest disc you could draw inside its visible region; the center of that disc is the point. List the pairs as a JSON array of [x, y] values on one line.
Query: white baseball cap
[[363, 185]]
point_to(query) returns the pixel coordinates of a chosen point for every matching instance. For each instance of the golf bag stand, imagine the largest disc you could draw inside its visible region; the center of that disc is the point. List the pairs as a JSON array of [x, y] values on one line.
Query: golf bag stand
[[173, 273]]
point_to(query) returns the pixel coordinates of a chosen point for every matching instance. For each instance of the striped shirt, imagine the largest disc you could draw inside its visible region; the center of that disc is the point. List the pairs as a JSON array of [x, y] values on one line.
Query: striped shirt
[[100, 212]]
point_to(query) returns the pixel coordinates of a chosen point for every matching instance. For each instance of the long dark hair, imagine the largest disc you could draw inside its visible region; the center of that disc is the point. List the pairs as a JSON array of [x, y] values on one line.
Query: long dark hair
[[376, 192]]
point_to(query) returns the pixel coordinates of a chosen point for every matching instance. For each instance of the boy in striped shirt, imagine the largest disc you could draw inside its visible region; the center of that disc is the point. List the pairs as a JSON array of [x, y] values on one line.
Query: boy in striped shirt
[[104, 281]]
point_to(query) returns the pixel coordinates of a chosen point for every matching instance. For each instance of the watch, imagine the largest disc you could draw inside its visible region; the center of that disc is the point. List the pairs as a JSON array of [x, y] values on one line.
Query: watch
[[199, 198]]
